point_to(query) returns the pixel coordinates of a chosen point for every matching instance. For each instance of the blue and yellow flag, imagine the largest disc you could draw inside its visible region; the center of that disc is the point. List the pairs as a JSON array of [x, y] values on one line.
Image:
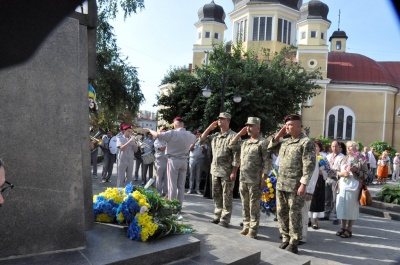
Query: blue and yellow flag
[[92, 99], [92, 93]]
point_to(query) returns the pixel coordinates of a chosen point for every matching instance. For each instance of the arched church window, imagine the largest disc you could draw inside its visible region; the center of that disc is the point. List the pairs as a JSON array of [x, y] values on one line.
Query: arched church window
[[341, 121], [331, 127], [349, 127], [339, 131]]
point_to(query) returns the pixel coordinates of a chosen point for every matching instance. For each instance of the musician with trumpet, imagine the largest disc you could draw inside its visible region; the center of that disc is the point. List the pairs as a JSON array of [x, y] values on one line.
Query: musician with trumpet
[[127, 147], [109, 158]]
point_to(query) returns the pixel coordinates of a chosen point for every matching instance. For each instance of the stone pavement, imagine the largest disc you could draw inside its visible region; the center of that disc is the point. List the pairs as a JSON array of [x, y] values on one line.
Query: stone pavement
[[375, 240]]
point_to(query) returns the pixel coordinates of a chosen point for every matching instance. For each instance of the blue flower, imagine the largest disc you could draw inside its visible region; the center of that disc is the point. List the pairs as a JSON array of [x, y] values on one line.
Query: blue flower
[[129, 188], [266, 189], [272, 180], [103, 206], [129, 208], [134, 230]]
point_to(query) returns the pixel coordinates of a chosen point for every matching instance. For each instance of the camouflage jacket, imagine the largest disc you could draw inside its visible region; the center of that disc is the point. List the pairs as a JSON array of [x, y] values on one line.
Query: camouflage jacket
[[224, 155], [255, 159], [296, 162]]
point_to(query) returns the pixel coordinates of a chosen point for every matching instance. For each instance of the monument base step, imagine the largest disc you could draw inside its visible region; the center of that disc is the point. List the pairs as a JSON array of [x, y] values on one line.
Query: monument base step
[[107, 244], [221, 245]]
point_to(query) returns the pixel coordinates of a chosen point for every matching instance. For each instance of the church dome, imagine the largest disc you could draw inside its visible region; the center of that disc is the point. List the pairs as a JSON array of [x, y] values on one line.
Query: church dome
[[314, 9], [340, 34], [295, 4], [356, 68], [212, 12]]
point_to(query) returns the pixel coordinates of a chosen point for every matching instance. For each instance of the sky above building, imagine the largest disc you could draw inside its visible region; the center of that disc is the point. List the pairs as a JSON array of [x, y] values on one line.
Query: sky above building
[[162, 35]]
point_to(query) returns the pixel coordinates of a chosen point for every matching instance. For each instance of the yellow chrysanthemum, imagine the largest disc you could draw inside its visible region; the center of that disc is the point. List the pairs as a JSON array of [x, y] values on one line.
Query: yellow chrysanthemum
[[272, 196], [269, 185], [120, 217], [268, 180], [105, 218]]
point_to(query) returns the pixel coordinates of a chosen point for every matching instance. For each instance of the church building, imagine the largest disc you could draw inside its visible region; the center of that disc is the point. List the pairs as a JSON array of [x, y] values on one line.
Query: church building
[[359, 99]]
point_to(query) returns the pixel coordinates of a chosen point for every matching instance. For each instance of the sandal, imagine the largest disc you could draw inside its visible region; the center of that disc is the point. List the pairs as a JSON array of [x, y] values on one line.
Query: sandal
[[346, 234], [340, 232], [315, 227]]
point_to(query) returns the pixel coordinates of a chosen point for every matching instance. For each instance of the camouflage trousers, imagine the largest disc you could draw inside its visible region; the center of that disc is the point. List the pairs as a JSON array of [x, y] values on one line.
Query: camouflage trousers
[[250, 194], [289, 208], [222, 189]]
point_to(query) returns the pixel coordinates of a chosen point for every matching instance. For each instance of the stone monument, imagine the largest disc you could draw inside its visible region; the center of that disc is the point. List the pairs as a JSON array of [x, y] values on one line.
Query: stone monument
[[44, 125]]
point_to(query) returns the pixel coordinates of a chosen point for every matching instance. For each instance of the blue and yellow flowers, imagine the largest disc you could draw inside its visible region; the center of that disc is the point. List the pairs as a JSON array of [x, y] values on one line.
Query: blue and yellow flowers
[[144, 211], [268, 195]]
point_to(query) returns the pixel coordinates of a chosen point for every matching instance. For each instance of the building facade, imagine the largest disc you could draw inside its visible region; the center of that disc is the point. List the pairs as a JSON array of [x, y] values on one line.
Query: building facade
[[359, 99]]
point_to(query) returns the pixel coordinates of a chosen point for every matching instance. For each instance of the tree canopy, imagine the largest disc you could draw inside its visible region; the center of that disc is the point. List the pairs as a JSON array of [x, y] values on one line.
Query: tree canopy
[[271, 86], [117, 86]]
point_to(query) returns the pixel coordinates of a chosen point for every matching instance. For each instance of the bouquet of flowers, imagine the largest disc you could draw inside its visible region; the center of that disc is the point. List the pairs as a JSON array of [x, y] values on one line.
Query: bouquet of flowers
[[323, 164], [268, 195], [146, 214]]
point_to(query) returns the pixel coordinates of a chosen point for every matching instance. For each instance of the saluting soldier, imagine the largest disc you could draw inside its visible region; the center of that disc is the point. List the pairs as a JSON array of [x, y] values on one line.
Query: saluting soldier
[[296, 164], [178, 143], [224, 166], [255, 161]]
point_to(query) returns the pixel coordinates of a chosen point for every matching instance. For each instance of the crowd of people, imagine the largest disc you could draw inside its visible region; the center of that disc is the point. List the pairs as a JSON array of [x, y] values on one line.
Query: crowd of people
[[313, 185]]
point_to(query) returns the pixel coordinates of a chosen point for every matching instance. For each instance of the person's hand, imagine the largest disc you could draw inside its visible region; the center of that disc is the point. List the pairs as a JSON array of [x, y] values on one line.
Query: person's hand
[[232, 177], [243, 131], [353, 169], [302, 190], [308, 197], [281, 133], [263, 183], [213, 125]]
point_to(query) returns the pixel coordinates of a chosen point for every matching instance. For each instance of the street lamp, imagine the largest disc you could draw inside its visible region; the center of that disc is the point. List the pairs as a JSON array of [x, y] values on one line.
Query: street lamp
[[207, 93]]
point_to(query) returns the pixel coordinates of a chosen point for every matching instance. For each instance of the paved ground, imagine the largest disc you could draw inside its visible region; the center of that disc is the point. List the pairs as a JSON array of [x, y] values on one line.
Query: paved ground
[[375, 240]]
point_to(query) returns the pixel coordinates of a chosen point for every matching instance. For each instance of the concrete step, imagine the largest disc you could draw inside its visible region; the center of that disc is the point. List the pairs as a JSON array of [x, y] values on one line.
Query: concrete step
[[107, 244], [392, 215], [385, 206], [226, 246]]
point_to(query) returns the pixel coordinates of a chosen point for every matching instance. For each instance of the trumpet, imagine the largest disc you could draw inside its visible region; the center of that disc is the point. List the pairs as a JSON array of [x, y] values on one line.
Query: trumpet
[[139, 141], [95, 140]]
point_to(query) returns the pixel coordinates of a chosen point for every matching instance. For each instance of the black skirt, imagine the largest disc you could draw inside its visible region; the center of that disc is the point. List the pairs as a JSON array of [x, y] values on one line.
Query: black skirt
[[318, 200]]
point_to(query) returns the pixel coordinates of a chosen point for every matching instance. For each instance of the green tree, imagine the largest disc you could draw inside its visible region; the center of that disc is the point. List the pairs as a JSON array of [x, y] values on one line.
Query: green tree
[[117, 83], [271, 86], [380, 147]]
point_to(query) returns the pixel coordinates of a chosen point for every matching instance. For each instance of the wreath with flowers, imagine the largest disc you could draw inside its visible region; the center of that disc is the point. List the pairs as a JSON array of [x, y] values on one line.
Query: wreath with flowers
[[145, 214], [268, 195]]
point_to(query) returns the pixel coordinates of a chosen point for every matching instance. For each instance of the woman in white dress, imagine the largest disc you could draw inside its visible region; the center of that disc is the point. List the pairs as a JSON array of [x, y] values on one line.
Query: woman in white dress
[[353, 172]]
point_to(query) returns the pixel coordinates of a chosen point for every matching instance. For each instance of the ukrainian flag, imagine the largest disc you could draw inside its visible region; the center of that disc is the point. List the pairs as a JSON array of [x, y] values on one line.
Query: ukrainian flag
[[92, 93]]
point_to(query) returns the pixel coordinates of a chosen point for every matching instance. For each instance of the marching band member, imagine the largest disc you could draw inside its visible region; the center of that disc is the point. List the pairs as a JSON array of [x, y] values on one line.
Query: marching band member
[[127, 148]]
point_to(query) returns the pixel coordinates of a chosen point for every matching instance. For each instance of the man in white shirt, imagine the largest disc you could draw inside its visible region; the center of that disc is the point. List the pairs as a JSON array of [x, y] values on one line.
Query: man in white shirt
[[196, 162], [330, 184], [396, 167], [372, 163]]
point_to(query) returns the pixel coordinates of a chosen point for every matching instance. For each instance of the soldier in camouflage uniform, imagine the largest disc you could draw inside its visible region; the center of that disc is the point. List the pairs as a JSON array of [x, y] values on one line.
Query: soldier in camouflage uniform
[[255, 160], [296, 164], [224, 166]]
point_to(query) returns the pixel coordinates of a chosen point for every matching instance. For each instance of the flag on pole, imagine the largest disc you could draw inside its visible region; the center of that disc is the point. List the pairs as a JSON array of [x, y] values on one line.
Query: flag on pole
[[92, 99]]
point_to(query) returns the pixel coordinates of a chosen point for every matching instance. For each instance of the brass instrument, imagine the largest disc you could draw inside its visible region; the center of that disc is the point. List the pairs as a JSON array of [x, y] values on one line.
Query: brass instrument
[[95, 140], [139, 142]]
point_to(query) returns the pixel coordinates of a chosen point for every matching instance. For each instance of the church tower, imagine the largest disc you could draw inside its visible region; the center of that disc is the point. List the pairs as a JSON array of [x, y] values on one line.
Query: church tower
[[210, 29], [338, 41], [312, 54], [312, 27], [264, 24]]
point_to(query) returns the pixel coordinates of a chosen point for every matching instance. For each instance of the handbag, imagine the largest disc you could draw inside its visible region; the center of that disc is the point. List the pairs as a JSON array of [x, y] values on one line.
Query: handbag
[[365, 198]]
